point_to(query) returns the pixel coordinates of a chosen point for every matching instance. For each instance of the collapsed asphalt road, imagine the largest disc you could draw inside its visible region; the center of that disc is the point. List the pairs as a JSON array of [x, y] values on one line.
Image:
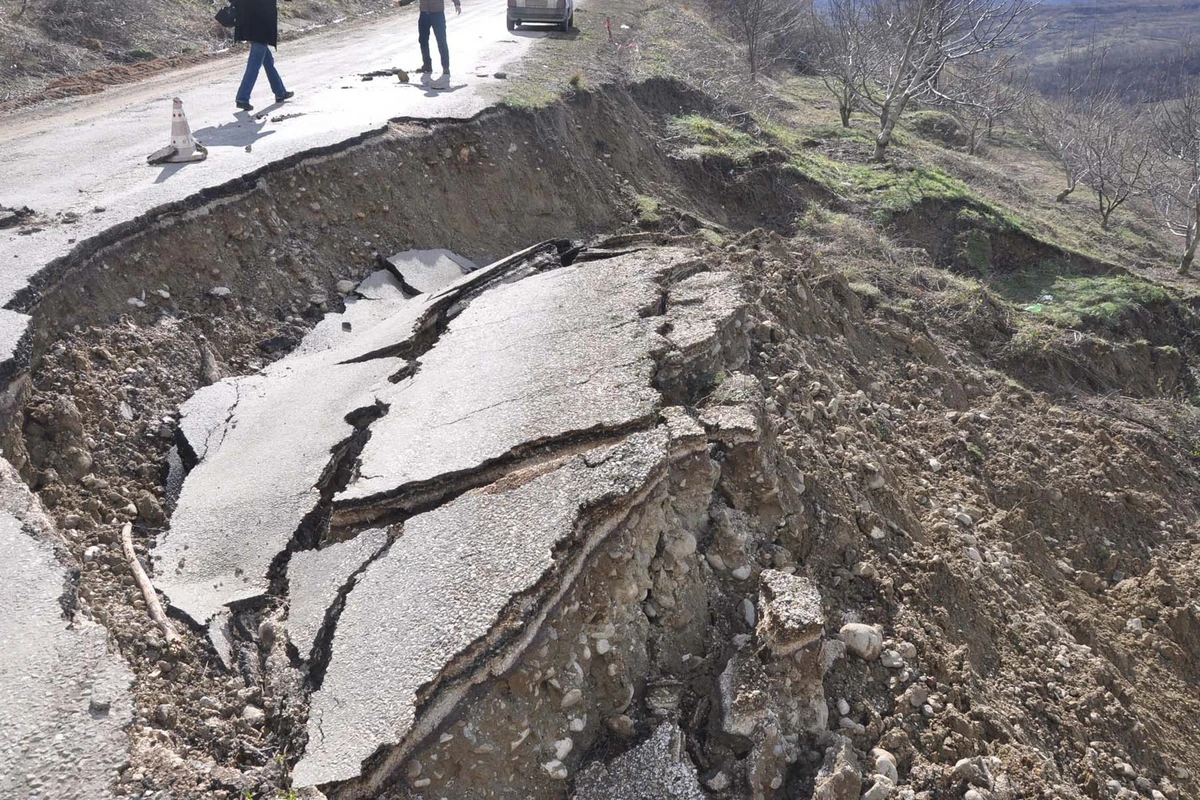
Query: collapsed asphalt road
[[531, 378]]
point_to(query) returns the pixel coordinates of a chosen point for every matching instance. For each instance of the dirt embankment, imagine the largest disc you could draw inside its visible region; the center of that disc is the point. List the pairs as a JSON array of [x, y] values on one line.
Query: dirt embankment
[[1029, 564]]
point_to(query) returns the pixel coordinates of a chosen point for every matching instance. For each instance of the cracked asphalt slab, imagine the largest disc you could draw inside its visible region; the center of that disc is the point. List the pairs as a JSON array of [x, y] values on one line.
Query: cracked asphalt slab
[[560, 353], [449, 582], [315, 577], [533, 380]]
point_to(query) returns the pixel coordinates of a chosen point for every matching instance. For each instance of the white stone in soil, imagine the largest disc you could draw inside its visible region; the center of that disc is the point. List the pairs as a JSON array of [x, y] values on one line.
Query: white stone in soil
[[864, 641]]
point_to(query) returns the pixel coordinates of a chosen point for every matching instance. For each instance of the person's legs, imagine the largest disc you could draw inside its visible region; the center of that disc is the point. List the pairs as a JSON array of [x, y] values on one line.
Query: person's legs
[[423, 25], [273, 75], [439, 30], [253, 64]]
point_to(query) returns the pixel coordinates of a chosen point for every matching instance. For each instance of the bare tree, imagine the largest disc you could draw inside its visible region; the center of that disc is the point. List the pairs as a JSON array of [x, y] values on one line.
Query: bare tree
[[841, 53], [983, 91], [1056, 129], [915, 41], [1116, 160], [1176, 185], [763, 26]]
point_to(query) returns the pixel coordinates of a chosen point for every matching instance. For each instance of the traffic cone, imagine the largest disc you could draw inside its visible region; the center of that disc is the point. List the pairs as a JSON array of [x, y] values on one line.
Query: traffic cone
[[183, 147]]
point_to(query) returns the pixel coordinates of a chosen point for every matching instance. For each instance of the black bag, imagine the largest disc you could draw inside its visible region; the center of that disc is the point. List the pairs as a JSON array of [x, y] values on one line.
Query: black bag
[[227, 16]]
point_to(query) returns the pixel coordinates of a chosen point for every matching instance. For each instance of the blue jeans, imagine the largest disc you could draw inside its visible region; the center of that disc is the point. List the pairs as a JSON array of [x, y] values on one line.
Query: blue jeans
[[437, 21], [260, 58]]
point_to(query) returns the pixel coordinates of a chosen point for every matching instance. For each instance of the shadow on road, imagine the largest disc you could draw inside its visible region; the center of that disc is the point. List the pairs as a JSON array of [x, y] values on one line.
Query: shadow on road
[[168, 172], [243, 131]]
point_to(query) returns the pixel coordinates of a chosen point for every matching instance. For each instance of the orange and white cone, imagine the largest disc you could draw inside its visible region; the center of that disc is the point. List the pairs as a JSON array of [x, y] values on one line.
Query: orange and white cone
[[183, 147]]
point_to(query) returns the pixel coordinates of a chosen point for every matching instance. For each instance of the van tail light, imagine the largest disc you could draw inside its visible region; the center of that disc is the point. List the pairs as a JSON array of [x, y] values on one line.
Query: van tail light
[[512, 3], [562, 4]]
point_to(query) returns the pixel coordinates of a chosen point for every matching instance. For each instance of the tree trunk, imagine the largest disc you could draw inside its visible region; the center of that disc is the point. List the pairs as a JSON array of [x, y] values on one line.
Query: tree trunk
[[844, 111], [1189, 254], [1062, 196], [884, 138]]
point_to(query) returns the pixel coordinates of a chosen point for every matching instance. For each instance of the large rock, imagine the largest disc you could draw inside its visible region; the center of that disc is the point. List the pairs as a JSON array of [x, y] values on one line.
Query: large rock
[[864, 641]]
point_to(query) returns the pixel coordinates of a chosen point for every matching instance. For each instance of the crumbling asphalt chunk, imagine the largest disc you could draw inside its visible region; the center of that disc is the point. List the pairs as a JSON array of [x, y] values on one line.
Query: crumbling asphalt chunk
[[458, 598], [12, 217], [427, 271], [791, 616]]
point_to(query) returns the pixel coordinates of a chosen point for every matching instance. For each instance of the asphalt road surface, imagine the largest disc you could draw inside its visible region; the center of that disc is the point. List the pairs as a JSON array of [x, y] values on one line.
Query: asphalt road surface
[[86, 157]]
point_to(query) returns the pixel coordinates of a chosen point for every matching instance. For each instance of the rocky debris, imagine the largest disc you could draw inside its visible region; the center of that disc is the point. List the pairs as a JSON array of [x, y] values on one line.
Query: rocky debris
[[791, 616], [12, 217], [655, 769], [65, 696], [316, 577], [427, 271]]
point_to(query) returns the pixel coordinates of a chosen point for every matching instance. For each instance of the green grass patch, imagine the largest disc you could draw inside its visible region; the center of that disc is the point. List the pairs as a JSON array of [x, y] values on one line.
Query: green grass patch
[[1078, 300], [709, 137], [646, 208]]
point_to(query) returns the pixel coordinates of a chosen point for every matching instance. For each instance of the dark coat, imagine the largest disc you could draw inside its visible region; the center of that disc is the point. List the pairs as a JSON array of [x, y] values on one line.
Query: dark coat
[[257, 21]]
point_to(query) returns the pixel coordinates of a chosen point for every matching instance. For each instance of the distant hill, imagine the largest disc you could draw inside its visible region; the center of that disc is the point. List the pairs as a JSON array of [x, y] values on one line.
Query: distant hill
[[1143, 39]]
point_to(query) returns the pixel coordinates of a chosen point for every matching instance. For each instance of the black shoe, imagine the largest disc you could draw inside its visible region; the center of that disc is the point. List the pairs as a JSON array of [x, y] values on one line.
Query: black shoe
[[244, 106], [279, 98]]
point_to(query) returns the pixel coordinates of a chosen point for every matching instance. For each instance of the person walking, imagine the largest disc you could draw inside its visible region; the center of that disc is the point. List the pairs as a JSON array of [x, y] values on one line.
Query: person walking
[[258, 24], [433, 17]]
